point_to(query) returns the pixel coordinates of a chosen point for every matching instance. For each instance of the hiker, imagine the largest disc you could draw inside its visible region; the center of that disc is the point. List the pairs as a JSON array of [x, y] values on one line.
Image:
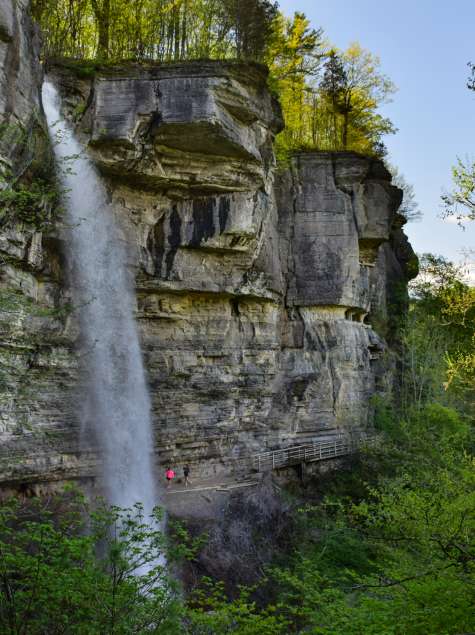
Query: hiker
[[186, 473], [170, 475]]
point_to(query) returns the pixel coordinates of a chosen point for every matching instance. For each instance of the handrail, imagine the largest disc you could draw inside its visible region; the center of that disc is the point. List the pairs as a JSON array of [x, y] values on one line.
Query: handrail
[[316, 451], [299, 447]]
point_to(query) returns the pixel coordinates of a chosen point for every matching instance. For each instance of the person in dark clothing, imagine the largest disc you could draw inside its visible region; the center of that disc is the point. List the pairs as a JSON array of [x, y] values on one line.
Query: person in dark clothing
[[186, 474]]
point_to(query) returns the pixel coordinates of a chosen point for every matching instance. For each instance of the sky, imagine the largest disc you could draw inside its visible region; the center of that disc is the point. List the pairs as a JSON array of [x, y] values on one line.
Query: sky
[[424, 46]]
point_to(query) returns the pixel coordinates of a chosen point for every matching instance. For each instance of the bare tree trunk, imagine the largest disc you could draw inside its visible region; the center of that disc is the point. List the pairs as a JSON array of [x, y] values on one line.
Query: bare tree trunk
[[176, 32], [346, 119], [184, 30], [335, 122], [345, 130], [102, 14]]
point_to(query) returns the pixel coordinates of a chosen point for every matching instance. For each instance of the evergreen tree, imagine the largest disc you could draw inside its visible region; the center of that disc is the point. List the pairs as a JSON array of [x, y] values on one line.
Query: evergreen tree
[[252, 23], [294, 56], [332, 88]]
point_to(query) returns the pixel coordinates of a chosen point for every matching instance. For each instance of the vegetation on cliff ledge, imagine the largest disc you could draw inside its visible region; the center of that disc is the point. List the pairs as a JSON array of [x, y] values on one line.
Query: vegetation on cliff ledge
[[330, 98], [28, 188]]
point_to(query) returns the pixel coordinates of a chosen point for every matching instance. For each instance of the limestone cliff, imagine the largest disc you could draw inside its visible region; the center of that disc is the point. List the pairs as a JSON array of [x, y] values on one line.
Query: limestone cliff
[[256, 286]]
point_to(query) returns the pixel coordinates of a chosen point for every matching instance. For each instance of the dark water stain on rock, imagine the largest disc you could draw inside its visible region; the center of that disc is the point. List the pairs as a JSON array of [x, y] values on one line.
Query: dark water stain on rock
[[174, 238], [156, 244], [203, 220], [224, 209]]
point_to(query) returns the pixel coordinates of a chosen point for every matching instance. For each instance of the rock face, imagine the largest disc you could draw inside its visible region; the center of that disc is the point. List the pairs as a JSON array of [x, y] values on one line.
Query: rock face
[[36, 359], [256, 288], [19, 64]]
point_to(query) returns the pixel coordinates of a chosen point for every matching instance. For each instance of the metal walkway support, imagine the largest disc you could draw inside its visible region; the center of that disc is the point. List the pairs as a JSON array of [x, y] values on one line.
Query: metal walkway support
[[316, 451]]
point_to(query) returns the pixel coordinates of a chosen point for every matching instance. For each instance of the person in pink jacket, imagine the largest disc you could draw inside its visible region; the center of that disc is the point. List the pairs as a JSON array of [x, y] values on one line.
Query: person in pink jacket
[[170, 475]]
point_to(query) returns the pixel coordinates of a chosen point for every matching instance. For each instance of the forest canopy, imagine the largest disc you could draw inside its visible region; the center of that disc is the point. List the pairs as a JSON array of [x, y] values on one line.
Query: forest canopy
[[330, 98], [158, 30]]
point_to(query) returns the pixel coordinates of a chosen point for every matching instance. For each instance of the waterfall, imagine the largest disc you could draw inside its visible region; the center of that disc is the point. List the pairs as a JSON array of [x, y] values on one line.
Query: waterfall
[[116, 407]]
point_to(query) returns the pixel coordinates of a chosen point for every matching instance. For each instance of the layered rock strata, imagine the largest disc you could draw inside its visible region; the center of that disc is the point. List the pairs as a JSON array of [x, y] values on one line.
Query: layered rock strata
[[37, 419], [256, 287]]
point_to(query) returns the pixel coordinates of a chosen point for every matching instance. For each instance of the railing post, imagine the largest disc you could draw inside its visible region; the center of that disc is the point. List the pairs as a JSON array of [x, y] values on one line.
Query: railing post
[[335, 448], [273, 460], [258, 462]]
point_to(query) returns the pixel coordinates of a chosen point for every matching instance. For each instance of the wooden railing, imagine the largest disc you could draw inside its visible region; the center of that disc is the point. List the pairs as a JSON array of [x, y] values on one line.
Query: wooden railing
[[316, 451]]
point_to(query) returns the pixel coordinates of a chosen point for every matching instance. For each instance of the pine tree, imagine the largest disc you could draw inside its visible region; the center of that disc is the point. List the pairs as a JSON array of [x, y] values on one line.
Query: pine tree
[[332, 88]]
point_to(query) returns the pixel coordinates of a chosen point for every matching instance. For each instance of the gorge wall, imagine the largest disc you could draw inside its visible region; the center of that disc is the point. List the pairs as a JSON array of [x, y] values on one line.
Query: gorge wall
[[257, 287]]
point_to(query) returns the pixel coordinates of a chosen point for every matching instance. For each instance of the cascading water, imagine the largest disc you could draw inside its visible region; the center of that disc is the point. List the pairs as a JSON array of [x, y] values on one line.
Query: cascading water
[[116, 402]]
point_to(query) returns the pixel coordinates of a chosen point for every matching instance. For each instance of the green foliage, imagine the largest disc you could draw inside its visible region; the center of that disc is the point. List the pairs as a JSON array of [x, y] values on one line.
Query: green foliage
[[389, 549], [83, 69], [439, 337], [330, 99], [31, 203], [294, 56], [160, 30], [83, 572], [460, 203], [211, 613], [12, 135], [28, 191], [402, 559], [185, 546], [361, 88]]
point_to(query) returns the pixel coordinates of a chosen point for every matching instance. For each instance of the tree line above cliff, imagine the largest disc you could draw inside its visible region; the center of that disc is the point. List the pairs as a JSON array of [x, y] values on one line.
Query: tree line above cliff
[[160, 30], [330, 98]]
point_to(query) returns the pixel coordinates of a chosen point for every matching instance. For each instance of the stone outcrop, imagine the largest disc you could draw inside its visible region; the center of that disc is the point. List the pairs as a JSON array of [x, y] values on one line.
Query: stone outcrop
[[256, 287]]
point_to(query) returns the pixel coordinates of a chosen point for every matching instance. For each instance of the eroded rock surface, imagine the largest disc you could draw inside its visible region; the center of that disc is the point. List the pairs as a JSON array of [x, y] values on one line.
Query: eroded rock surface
[[255, 287]]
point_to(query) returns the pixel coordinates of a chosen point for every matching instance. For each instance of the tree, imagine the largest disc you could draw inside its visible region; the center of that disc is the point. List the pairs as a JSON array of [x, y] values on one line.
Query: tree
[[252, 23], [336, 111], [332, 88], [102, 13], [391, 547], [37, 8], [440, 335], [162, 30], [409, 207], [460, 203], [65, 569], [212, 613], [295, 49], [294, 56], [365, 89]]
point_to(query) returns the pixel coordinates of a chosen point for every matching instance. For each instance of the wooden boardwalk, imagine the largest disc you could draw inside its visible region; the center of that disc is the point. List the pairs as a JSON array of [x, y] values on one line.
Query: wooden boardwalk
[[310, 452]]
